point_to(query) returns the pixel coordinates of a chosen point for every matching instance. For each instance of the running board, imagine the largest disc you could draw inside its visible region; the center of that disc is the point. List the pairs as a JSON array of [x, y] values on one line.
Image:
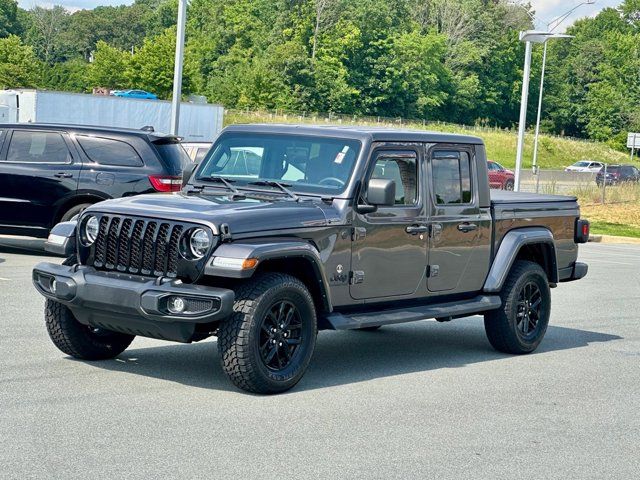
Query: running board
[[461, 308]]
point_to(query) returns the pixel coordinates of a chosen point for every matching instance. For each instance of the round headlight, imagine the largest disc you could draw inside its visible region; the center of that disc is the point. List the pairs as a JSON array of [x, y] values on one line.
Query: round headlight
[[199, 243], [91, 229]]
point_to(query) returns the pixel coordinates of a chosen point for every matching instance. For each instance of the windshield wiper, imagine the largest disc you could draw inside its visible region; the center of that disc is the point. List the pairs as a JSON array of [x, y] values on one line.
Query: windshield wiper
[[225, 182], [281, 186]]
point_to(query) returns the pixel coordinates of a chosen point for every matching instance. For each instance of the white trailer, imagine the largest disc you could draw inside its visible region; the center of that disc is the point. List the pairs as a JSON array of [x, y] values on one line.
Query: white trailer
[[199, 122]]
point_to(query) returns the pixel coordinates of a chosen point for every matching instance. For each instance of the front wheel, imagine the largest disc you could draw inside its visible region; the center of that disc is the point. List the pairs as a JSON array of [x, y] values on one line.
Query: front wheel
[[267, 343], [82, 341], [508, 185], [520, 324]]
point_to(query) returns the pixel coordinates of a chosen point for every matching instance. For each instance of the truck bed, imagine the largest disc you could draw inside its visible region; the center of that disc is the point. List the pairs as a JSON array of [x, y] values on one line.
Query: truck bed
[[558, 213], [503, 196]]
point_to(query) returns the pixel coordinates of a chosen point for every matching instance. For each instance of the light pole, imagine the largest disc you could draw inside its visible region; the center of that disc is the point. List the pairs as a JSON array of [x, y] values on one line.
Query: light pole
[[557, 21], [529, 37], [177, 69]]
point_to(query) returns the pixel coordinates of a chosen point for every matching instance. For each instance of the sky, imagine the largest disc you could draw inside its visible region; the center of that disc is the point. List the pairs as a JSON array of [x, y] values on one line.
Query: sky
[[546, 10]]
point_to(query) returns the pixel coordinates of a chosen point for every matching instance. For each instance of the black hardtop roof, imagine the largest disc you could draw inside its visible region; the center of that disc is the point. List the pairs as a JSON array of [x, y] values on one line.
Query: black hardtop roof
[[67, 127], [357, 132]]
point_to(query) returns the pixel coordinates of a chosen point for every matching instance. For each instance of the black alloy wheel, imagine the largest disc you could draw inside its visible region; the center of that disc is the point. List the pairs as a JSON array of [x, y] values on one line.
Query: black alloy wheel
[[529, 310], [280, 335]]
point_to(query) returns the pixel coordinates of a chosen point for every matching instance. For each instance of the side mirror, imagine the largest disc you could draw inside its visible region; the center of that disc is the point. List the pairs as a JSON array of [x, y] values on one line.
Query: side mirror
[[381, 192], [187, 172]]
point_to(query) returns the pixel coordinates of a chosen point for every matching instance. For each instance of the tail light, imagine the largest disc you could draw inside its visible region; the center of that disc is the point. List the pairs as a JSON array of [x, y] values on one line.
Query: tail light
[[582, 231], [165, 183]]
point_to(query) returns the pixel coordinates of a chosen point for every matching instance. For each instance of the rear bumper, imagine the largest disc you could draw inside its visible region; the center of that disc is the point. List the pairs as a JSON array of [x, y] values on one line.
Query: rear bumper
[[578, 271], [131, 304]]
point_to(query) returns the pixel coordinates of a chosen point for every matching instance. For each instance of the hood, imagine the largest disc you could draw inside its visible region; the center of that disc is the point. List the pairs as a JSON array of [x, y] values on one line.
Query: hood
[[242, 216]]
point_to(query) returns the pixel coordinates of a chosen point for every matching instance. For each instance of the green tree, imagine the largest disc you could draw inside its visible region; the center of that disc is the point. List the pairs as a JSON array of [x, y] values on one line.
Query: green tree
[[109, 67], [9, 22], [18, 64]]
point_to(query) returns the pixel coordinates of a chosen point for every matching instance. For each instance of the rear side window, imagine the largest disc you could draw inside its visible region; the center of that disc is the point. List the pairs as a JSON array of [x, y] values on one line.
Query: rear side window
[[174, 155], [37, 147], [107, 151], [451, 177]]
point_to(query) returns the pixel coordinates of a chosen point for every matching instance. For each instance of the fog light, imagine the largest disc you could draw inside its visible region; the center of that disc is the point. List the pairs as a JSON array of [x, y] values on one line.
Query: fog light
[[176, 304]]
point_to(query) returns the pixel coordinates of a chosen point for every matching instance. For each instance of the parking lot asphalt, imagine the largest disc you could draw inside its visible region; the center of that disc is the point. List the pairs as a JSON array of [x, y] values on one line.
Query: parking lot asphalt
[[421, 400]]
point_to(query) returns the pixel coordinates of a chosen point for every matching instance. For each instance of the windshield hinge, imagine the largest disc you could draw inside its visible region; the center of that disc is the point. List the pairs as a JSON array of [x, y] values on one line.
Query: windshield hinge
[[225, 233]]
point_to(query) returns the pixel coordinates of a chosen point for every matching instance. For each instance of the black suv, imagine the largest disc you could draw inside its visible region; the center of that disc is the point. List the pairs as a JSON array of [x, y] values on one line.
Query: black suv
[[618, 174], [49, 173]]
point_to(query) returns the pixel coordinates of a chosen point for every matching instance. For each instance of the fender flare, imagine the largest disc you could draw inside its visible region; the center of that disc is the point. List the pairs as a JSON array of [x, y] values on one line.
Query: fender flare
[[508, 250], [62, 239], [264, 251]]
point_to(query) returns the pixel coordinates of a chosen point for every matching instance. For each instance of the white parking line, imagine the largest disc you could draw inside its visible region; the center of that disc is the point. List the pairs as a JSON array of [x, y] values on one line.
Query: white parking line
[[5, 279]]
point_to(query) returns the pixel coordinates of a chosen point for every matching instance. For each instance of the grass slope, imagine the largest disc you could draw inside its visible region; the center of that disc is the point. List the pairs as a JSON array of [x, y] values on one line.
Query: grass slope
[[553, 152]]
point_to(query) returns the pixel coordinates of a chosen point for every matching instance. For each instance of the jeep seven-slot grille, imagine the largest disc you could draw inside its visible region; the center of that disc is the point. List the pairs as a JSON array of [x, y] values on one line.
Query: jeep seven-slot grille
[[146, 247]]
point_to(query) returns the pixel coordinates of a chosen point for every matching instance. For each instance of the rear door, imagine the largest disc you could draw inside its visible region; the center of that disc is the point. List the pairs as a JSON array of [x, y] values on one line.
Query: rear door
[[460, 230], [38, 173]]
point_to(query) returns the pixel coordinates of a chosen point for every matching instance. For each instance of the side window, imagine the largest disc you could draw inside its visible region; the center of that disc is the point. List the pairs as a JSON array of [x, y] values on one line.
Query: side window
[[105, 151], [451, 177], [401, 167], [37, 147]]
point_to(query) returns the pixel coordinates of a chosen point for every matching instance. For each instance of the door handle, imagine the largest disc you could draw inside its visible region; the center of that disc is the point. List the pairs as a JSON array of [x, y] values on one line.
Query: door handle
[[416, 229], [467, 227], [63, 175]]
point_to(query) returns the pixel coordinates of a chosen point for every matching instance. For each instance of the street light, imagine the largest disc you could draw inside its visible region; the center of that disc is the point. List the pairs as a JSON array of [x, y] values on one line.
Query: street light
[[557, 21], [177, 69], [529, 37]]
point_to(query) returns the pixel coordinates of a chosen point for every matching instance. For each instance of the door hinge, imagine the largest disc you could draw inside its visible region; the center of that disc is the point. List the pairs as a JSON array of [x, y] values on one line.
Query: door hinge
[[356, 277], [358, 233], [433, 271], [434, 230]]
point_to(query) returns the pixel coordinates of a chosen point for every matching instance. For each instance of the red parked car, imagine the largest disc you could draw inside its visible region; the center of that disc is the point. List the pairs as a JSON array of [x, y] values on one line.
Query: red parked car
[[500, 177]]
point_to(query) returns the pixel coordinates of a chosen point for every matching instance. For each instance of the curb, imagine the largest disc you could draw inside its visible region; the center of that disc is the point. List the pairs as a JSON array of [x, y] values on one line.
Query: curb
[[613, 239]]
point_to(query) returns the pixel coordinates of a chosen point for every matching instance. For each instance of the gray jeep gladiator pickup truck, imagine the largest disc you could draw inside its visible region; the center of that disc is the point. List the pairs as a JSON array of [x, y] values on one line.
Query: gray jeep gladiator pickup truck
[[285, 230]]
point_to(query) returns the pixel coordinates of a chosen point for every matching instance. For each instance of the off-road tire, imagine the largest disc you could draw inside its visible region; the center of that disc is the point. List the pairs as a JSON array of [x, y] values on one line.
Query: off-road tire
[[81, 341], [239, 335], [73, 211], [500, 325]]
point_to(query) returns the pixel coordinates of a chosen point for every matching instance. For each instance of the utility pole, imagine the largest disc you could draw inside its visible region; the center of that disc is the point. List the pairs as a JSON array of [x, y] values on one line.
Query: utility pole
[[177, 70]]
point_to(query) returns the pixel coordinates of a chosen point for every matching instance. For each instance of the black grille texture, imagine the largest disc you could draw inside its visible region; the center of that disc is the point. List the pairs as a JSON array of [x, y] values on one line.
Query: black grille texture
[[147, 247]]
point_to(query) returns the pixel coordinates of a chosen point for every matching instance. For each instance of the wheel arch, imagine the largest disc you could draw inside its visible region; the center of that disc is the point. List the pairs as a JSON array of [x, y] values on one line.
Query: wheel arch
[[535, 244], [297, 258], [74, 201]]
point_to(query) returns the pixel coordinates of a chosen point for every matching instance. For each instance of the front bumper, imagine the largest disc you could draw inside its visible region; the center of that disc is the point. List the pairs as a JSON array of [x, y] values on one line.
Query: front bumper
[[132, 304]]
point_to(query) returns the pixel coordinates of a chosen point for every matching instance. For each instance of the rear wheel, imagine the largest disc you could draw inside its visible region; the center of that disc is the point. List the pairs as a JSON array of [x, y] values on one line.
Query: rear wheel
[[267, 344], [82, 341], [520, 324], [73, 211]]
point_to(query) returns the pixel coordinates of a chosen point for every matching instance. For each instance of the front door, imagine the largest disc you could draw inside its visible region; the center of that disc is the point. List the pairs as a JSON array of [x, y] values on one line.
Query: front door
[[460, 230], [37, 174], [390, 245]]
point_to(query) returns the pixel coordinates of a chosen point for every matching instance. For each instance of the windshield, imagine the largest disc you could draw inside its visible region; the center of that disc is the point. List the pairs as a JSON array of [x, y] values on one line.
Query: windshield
[[581, 164], [313, 165]]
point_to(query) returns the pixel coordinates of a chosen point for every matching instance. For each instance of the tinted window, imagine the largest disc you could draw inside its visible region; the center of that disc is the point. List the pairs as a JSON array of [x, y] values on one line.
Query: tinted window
[[451, 177], [403, 170], [106, 151], [174, 155], [39, 147], [307, 164]]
